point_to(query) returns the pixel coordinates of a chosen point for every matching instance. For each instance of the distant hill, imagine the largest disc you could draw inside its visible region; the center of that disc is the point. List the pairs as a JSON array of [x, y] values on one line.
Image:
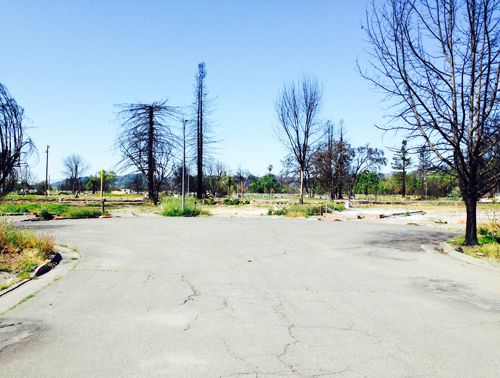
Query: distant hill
[[120, 180]]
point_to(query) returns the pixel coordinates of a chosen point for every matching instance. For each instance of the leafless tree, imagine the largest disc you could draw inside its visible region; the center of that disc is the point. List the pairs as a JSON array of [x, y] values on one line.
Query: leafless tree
[[26, 179], [74, 167], [242, 180], [16, 145], [299, 127], [332, 161], [216, 178], [202, 135], [146, 142], [438, 61]]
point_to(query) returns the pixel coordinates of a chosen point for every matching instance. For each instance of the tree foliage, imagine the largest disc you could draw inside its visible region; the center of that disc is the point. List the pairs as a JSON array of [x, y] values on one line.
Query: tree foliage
[[365, 158], [401, 161], [266, 184], [368, 182], [109, 180]]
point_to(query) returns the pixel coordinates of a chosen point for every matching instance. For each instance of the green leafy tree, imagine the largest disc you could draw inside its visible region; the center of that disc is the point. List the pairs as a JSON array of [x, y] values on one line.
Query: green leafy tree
[[94, 182], [270, 184], [91, 184], [265, 184], [368, 182], [424, 165]]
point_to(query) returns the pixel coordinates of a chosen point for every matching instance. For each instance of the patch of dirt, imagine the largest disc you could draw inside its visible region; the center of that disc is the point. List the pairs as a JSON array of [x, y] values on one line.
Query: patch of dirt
[[237, 211], [130, 212]]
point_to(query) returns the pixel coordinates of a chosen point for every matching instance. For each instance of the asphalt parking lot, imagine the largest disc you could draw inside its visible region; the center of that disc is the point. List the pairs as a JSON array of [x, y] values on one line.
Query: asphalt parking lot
[[254, 297]]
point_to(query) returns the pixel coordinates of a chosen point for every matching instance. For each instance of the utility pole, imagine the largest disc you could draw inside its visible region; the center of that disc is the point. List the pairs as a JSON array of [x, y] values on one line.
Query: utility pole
[[183, 162], [47, 173]]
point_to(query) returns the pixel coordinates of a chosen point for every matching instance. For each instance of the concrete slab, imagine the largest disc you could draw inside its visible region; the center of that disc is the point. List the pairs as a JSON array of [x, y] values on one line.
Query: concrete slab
[[233, 297]]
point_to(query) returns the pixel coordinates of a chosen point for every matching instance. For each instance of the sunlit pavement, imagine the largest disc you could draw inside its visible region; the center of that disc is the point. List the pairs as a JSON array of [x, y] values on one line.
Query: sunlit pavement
[[255, 297]]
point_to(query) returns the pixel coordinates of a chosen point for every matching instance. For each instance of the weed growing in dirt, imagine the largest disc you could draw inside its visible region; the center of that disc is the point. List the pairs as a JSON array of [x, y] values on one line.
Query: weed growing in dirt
[[21, 250], [81, 212], [297, 210], [47, 211], [229, 201], [172, 207], [489, 242]]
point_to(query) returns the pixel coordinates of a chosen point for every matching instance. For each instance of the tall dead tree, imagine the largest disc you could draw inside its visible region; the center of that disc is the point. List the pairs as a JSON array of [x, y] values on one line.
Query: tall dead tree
[[146, 142], [299, 127], [202, 136], [16, 145], [438, 61], [332, 160]]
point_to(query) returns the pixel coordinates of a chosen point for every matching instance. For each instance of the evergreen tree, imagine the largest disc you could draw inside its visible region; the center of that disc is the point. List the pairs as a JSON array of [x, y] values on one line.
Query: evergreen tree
[[424, 164], [400, 163]]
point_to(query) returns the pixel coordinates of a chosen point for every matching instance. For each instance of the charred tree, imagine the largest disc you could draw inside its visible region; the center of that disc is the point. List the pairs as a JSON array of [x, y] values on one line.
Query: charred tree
[[202, 135], [74, 167], [438, 61], [16, 145], [299, 127], [146, 142]]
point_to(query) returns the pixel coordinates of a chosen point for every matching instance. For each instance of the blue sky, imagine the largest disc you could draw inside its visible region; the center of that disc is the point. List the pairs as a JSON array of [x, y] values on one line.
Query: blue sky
[[68, 62]]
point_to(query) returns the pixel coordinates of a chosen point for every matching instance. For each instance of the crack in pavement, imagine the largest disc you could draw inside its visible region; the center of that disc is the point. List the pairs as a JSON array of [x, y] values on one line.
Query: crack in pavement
[[290, 334], [288, 345], [193, 289]]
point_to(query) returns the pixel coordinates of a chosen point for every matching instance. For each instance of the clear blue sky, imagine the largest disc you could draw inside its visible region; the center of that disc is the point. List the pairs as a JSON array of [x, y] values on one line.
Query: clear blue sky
[[68, 62]]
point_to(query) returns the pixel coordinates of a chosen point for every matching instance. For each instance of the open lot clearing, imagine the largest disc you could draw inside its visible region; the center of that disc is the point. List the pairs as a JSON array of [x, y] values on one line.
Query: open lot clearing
[[255, 297]]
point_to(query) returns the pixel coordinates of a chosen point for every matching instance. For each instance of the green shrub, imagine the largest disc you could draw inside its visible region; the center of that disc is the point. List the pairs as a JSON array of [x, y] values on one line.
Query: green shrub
[[44, 214], [229, 202], [489, 234], [280, 211], [172, 207], [209, 201]]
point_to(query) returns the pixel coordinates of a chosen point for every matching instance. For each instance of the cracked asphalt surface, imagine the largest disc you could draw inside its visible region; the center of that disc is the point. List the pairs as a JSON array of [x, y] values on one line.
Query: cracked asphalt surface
[[255, 297]]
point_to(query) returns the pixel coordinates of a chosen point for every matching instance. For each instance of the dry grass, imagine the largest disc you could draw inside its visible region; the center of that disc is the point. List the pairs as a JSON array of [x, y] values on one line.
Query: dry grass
[[489, 252], [489, 242], [21, 250]]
